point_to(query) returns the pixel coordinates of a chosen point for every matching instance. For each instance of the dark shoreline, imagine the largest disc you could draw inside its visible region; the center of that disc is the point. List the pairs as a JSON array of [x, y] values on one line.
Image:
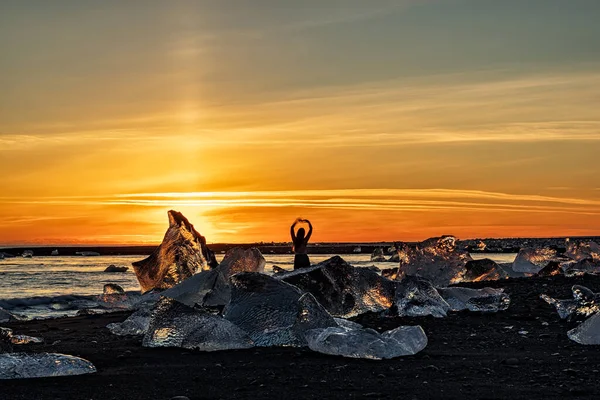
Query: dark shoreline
[[469, 356], [503, 245]]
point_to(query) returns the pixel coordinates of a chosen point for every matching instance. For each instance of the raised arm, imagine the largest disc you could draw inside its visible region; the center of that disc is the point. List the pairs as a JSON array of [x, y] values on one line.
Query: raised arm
[[292, 231], [309, 231]]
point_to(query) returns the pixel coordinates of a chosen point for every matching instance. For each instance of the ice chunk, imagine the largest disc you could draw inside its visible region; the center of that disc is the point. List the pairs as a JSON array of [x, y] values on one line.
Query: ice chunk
[[579, 251], [273, 312], [584, 303], [552, 269], [241, 260], [533, 260], [483, 270], [378, 255], [367, 343], [7, 336], [390, 273], [136, 324], [173, 324], [115, 268], [208, 288], [436, 259], [23, 365], [113, 293], [483, 300], [417, 297], [182, 252], [585, 266], [587, 332], [344, 290]]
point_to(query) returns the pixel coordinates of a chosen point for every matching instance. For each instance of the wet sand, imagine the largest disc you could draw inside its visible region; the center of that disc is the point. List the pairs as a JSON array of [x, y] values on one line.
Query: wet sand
[[470, 355]]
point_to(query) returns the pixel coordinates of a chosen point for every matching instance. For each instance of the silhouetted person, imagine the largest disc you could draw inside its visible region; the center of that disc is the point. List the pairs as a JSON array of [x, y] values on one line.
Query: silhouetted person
[[300, 241]]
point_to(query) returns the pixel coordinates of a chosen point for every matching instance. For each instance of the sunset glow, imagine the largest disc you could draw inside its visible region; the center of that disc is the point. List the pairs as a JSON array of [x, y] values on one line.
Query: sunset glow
[[368, 118]]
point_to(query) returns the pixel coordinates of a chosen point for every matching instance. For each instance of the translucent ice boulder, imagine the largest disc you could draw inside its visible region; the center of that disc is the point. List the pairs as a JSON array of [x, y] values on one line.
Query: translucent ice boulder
[[135, 325], [367, 343], [436, 259], [273, 312], [482, 300], [23, 365], [345, 291], [584, 303], [588, 332], [242, 260], [578, 250], [483, 270], [173, 324], [182, 252], [533, 260], [417, 297]]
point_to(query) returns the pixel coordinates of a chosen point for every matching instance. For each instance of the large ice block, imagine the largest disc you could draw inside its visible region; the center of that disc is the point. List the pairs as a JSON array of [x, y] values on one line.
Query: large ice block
[[533, 260], [584, 303], [273, 312], [24, 365], [482, 300], [436, 259], [417, 297], [367, 343], [344, 290], [182, 252]]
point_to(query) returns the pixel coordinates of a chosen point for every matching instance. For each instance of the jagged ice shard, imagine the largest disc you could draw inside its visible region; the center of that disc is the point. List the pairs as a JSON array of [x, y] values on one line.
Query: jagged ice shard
[[367, 343], [584, 303], [182, 252], [533, 260], [436, 259], [588, 332], [173, 324], [482, 300], [273, 312], [23, 365], [417, 297], [211, 288], [345, 291]]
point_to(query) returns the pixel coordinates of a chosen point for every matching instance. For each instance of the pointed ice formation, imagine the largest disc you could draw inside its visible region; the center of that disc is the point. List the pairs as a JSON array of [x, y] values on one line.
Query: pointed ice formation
[[345, 291], [274, 313], [584, 303], [173, 324], [482, 300], [533, 260], [483, 270], [211, 288], [182, 252], [436, 259], [417, 297], [367, 343], [588, 332], [23, 365]]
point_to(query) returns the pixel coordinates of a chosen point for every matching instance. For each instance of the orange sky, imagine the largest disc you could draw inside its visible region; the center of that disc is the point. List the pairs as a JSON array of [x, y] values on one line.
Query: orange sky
[[356, 117]]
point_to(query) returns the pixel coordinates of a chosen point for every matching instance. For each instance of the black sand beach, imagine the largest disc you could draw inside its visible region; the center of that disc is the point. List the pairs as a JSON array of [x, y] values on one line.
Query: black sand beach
[[469, 355]]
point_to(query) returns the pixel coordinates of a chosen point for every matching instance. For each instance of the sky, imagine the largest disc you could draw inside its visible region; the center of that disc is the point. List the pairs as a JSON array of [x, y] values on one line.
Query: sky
[[378, 120]]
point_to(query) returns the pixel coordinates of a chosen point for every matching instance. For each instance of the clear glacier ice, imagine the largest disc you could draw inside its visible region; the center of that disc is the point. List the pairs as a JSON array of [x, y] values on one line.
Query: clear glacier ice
[[367, 343], [481, 300], [584, 303], [39, 365], [238, 259], [173, 324], [417, 297], [135, 325], [273, 312], [483, 270], [436, 259], [588, 332], [583, 250], [182, 252], [344, 290], [532, 260]]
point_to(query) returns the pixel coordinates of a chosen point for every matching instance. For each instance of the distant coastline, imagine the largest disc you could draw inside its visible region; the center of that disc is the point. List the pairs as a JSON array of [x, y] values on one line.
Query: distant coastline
[[502, 245]]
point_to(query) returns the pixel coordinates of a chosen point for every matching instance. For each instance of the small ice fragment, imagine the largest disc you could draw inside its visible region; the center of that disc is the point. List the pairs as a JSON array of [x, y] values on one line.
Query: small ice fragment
[[523, 332], [584, 303], [482, 300], [24, 339], [367, 343], [23, 365]]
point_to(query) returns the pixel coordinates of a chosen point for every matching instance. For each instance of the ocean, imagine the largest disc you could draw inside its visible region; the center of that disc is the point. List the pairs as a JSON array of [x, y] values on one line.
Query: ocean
[[50, 287]]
